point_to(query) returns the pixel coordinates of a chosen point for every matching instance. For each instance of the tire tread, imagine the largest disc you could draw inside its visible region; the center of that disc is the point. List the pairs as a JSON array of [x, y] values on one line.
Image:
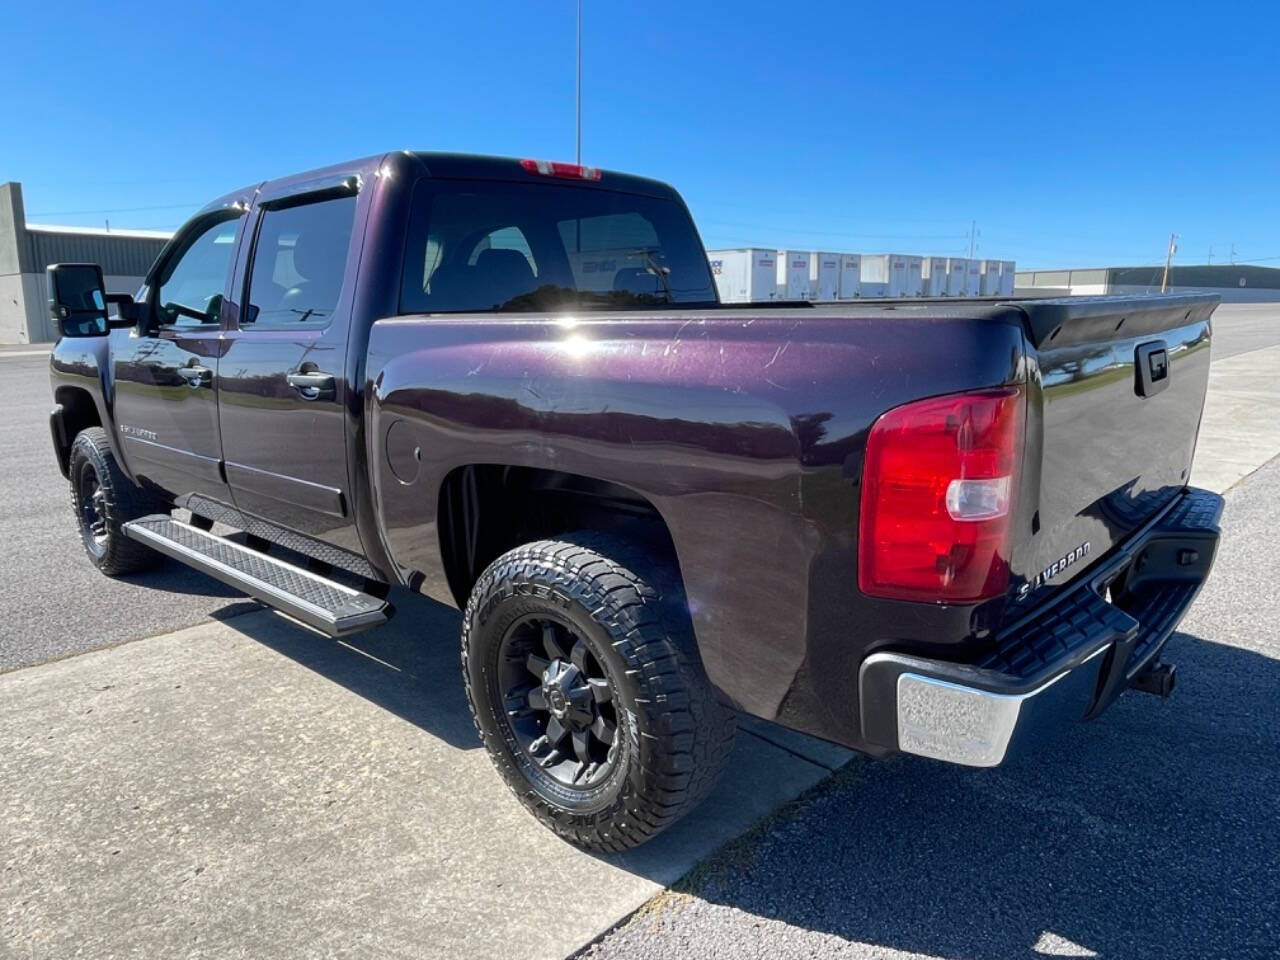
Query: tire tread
[[125, 501], [687, 734]]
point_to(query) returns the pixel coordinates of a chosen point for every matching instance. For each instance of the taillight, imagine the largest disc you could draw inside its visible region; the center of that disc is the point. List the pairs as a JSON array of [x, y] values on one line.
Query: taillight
[[569, 171], [937, 498]]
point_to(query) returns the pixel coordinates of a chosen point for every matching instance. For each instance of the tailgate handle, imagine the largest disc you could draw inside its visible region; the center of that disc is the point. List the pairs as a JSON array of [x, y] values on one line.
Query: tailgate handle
[[1151, 368]]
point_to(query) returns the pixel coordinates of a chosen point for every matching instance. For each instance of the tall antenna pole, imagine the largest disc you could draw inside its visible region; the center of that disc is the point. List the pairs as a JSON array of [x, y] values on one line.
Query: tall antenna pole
[[1168, 258], [578, 88], [973, 226]]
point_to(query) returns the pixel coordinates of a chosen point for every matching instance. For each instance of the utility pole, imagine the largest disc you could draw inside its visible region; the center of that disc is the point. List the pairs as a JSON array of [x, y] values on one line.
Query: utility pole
[[578, 87], [973, 232], [1233, 254], [1168, 259], [1211, 254]]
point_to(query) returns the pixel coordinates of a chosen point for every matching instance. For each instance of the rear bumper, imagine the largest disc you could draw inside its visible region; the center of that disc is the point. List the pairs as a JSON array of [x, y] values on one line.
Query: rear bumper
[[1068, 660]]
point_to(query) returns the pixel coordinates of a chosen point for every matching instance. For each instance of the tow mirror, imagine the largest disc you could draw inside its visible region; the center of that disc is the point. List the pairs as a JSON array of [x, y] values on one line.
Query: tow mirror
[[78, 299]]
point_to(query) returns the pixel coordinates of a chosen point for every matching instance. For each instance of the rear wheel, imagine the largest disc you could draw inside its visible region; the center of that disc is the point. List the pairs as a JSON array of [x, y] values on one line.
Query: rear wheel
[[104, 499], [585, 685]]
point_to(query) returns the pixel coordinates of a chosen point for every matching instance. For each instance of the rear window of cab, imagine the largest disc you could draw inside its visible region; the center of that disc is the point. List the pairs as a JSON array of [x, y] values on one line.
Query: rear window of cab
[[484, 246]]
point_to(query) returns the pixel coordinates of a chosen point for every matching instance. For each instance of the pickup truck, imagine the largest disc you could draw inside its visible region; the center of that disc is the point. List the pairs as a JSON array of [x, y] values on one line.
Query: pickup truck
[[935, 527]]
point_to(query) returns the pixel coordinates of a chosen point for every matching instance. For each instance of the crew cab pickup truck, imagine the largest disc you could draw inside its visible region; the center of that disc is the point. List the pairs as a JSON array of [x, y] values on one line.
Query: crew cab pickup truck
[[938, 527]]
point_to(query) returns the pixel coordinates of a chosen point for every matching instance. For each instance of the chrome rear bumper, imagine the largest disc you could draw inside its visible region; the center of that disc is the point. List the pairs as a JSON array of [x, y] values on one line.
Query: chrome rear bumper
[[1067, 660]]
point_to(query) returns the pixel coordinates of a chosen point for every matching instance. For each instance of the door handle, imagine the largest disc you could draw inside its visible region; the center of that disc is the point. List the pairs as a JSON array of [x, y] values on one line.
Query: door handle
[[312, 386], [196, 376]]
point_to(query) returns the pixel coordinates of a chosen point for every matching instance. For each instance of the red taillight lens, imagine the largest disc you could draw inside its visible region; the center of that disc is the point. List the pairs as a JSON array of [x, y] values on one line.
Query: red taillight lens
[[937, 491], [569, 171]]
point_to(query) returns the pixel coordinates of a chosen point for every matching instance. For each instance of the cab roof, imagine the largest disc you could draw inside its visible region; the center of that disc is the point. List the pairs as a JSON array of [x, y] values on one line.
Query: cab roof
[[453, 166], [467, 166]]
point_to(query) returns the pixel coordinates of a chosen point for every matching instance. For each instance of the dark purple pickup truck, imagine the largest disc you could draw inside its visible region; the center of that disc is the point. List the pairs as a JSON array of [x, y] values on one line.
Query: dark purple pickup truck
[[933, 527]]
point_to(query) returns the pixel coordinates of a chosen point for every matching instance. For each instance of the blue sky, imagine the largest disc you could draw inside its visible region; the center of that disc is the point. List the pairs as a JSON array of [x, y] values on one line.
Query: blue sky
[[1075, 134]]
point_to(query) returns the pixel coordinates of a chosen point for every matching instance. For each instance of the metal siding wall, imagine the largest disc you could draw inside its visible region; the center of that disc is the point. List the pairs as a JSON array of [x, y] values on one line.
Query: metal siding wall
[[121, 255], [1096, 277], [1226, 276], [1050, 278], [1228, 294]]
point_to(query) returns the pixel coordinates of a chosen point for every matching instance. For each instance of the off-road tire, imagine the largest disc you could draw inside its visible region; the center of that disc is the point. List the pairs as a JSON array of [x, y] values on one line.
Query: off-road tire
[[121, 501], [673, 736]]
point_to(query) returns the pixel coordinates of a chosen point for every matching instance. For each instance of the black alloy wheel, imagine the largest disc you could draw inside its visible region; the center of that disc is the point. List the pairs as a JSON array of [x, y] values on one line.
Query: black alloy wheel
[[559, 701], [93, 511]]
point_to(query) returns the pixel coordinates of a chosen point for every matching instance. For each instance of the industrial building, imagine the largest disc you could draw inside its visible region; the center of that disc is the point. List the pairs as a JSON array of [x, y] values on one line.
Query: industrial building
[[27, 248], [1234, 283], [755, 275]]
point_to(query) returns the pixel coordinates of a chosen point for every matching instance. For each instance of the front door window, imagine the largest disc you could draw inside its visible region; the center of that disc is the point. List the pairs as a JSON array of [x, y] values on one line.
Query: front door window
[[192, 284]]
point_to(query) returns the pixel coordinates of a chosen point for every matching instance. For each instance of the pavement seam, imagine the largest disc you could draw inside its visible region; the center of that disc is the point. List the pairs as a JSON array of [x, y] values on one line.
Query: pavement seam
[[794, 753], [4, 672], [1260, 466], [684, 889]]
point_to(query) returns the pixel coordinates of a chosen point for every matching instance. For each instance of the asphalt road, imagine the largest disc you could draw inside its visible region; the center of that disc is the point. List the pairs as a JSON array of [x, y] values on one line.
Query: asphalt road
[[54, 604], [1152, 832], [1242, 327]]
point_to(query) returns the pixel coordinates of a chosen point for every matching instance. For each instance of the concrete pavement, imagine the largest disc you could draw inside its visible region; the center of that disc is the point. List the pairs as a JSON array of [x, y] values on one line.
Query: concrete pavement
[[1240, 430], [247, 789], [244, 788]]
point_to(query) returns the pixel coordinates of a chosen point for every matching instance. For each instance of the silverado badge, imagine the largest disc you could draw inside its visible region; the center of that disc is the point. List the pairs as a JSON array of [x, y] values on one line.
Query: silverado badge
[[1053, 569]]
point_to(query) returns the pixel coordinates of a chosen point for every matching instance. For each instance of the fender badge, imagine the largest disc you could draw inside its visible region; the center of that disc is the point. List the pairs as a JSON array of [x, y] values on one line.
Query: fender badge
[[138, 432]]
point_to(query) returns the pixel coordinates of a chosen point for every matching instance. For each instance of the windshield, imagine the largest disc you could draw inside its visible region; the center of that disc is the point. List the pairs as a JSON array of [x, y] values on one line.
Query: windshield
[[492, 245]]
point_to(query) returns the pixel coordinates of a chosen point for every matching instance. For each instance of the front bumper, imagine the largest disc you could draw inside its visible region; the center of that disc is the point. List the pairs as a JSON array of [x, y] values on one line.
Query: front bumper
[[1073, 656]]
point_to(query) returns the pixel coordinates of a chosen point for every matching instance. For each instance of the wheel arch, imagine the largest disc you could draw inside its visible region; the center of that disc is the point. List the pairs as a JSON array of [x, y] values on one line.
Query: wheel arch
[[486, 509], [74, 410]]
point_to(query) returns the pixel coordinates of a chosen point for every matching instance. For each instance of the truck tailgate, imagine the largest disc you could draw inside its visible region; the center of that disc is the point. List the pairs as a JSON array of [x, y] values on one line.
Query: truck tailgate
[[1117, 388]]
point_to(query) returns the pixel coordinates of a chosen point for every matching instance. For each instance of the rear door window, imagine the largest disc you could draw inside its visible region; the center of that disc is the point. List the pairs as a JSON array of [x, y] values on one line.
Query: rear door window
[[299, 264]]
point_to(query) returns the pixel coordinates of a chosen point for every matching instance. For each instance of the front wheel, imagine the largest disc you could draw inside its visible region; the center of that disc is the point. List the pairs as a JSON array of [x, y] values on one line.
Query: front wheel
[[586, 688], [104, 500]]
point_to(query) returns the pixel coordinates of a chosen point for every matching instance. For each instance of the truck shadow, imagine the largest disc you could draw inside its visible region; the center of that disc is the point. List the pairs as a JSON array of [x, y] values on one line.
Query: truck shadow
[[409, 667], [1151, 832], [174, 577]]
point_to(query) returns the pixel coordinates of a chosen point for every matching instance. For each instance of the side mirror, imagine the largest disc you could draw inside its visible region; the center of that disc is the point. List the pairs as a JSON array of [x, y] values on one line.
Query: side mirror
[[78, 299]]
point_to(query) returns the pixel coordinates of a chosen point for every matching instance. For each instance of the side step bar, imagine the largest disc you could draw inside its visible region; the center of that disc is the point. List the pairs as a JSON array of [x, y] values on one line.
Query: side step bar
[[332, 608]]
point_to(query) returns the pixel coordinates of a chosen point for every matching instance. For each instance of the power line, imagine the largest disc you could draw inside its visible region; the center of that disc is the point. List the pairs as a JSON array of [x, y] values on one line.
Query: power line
[[82, 213], [147, 181], [805, 231]]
